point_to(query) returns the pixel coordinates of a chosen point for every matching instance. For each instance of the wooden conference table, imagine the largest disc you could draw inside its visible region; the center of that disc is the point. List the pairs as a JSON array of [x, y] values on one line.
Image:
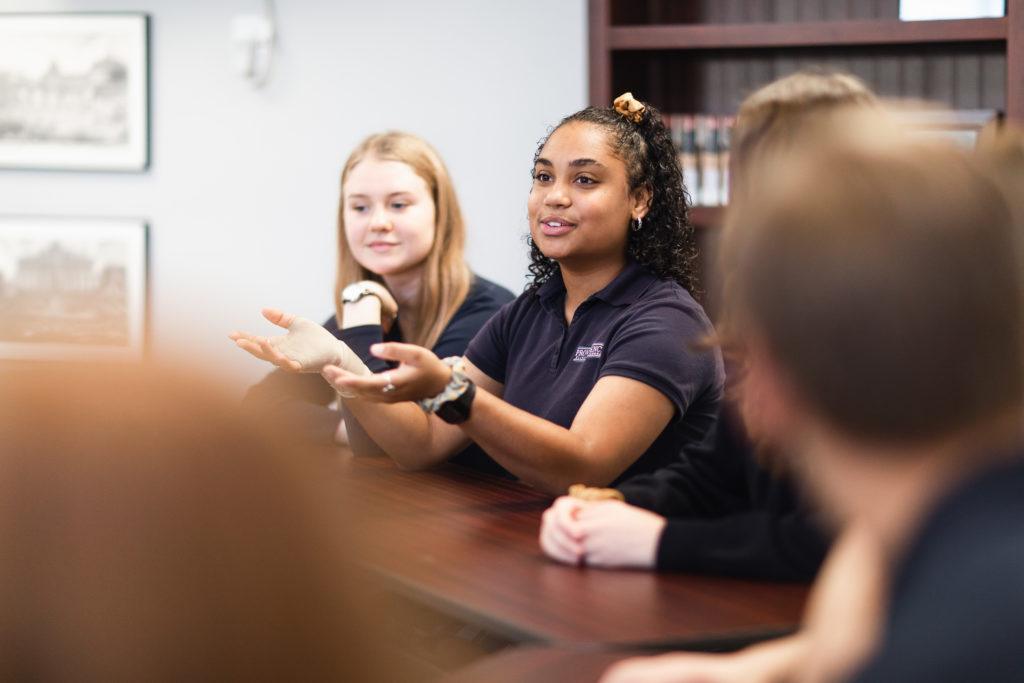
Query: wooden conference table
[[464, 544]]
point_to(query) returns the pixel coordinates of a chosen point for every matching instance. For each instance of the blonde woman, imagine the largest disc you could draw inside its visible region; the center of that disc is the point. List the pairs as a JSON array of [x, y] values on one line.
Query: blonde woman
[[401, 272]]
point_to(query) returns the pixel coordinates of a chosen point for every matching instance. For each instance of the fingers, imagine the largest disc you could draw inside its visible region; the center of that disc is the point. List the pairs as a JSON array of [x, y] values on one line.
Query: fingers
[[252, 345], [271, 354], [263, 348], [404, 353], [407, 382], [600, 510], [566, 511], [332, 373], [238, 334], [360, 383], [363, 387], [555, 542], [279, 318]]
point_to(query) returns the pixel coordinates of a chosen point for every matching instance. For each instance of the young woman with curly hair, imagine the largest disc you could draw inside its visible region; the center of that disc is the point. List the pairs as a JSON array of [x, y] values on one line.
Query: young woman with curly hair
[[591, 374], [732, 508]]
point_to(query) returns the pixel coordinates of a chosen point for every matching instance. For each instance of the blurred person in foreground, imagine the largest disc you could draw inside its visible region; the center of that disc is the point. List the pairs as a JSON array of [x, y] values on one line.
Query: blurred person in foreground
[[878, 302], [151, 533]]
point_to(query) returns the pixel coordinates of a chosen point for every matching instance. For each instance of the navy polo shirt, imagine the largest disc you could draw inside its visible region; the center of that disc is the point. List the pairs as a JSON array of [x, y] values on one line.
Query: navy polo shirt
[[956, 606], [639, 326]]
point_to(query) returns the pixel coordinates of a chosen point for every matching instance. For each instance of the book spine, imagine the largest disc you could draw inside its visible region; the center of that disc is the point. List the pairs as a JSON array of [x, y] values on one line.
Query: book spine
[[710, 175], [724, 142], [688, 158]]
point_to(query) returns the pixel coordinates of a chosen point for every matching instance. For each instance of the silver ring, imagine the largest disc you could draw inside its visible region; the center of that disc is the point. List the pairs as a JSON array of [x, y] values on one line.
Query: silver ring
[[390, 386]]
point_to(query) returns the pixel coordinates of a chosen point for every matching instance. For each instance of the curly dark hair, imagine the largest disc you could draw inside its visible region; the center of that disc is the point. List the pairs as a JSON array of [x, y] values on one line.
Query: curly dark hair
[[666, 244]]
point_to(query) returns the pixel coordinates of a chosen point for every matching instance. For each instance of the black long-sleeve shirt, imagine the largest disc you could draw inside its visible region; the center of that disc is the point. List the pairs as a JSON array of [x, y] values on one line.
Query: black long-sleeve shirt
[[728, 514]]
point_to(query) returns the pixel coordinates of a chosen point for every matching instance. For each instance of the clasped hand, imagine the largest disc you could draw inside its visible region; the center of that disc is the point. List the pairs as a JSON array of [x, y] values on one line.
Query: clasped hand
[[606, 533]]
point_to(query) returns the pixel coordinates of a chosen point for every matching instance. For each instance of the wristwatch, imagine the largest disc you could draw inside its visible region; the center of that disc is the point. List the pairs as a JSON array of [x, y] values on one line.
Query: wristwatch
[[457, 410], [356, 291], [453, 403]]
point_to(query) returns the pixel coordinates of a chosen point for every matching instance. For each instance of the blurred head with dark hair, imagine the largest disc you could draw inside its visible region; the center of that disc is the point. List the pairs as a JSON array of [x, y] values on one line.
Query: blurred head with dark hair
[[151, 533]]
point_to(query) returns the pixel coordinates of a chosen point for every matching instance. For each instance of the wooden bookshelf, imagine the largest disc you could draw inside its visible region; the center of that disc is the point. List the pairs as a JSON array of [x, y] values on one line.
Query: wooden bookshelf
[[705, 56], [819, 33], [632, 52]]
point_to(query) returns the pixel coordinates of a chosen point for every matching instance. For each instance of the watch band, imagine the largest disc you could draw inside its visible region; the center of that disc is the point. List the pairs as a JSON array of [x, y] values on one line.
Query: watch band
[[456, 387]]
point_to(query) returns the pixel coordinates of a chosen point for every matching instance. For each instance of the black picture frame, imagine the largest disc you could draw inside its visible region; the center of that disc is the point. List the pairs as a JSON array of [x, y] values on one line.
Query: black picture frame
[[75, 91]]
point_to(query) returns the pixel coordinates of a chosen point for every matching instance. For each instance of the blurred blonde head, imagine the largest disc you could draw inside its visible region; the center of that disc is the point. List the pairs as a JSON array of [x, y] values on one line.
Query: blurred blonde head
[[772, 123], [776, 117], [446, 279]]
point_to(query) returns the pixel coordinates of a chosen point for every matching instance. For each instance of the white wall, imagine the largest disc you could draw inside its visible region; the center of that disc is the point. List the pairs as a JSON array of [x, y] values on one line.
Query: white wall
[[242, 190]]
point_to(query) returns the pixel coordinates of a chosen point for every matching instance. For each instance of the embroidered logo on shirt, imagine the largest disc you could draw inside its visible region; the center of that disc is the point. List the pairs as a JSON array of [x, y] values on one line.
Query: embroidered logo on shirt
[[585, 352]]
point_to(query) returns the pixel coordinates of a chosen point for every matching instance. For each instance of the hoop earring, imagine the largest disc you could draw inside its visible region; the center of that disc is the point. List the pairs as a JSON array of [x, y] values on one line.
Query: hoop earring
[[637, 223]]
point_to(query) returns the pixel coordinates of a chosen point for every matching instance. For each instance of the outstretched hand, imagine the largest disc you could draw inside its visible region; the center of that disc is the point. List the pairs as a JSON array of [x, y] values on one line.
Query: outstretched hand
[[420, 374], [307, 347]]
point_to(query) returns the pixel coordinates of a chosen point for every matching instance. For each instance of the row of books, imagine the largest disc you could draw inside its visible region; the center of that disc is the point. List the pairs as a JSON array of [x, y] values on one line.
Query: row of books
[[702, 143]]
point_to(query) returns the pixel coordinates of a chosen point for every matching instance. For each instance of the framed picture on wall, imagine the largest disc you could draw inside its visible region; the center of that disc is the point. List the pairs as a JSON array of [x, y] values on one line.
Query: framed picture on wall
[[74, 91], [73, 288]]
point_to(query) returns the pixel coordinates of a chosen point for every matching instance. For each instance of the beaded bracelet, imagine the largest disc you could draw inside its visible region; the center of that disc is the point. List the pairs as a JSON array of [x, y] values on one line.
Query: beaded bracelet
[[456, 387]]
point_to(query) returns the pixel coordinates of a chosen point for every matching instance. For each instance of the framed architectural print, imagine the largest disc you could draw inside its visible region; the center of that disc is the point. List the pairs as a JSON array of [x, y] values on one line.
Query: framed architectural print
[[74, 91], [72, 288]]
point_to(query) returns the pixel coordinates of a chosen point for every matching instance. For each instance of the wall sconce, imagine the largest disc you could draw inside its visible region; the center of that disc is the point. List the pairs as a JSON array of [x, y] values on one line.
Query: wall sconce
[[252, 43]]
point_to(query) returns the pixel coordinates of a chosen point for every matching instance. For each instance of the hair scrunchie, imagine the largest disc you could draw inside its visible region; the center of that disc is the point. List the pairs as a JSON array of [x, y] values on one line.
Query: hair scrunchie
[[629, 107]]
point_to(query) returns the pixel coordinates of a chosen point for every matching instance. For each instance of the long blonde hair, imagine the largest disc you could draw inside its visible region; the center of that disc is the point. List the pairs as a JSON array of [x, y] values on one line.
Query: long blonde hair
[[446, 278]]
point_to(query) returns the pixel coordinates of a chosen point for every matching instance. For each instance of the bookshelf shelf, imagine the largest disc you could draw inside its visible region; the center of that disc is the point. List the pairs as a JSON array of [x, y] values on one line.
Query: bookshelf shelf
[[704, 56], [818, 33]]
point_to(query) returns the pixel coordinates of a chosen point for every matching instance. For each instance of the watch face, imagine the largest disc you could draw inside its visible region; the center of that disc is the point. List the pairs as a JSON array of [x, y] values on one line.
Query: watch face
[[449, 413], [457, 410], [352, 293]]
